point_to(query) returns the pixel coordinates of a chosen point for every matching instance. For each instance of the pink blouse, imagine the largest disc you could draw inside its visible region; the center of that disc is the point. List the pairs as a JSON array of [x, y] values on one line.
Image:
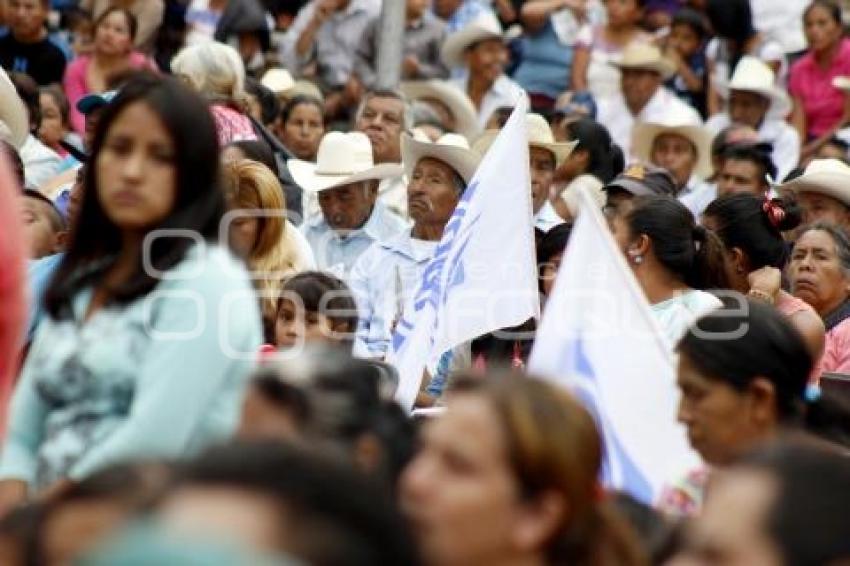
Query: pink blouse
[[76, 87], [836, 352], [789, 305], [823, 104]]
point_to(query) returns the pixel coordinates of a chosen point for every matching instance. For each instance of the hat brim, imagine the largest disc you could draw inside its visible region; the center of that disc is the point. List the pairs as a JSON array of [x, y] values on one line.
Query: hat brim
[[304, 173], [833, 185], [463, 161], [90, 103], [561, 150], [644, 135], [663, 67], [458, 103], [635, 188], [780, 104], [452, 52], [13, 113]]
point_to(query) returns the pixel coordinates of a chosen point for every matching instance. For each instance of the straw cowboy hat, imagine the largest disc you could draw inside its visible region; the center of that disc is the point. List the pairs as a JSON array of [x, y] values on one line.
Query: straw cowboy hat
[[829, 177], [482, 28], [277, 80], [457, 102], [451, 149], [342, 159], [644, 135], [14, 122], [753, 75], [645, 57], [539, 135]]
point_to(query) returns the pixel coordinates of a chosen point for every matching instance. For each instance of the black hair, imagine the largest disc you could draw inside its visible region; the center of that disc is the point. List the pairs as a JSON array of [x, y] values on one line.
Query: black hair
[[731, 19], [27, 90], [199, 202], [693, 19], [57, 221], [594, 138], [284, 395], [753, 153], [269, 104], [332, 514], [554, 242], [323, 293], [686, 249], [135, 486], [132, 22], [743, 223], [832, 8], [737, 344], [259, 151], [807, 520], [287, 109], [15, 161]]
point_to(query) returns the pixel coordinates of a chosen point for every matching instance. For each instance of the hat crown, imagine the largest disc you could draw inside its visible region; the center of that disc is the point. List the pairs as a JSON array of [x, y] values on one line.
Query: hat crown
[[752, 73], [638, 54], [344, 154], [453, 140], [832, 166], [278, 80], [538, 129], [486, 22]]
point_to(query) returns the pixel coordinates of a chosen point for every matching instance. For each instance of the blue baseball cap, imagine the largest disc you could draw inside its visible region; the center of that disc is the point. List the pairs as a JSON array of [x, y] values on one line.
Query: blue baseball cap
[[92, 102]]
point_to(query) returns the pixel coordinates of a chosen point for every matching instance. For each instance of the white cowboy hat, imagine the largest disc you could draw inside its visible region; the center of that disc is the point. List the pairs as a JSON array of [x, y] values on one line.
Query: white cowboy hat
[[278, 80], [482, 28], [753, 75], [457, 102], [645, 57], [645, 133], [14, 121], [829, 177], [539, 135], [451, 149], [342, 159]]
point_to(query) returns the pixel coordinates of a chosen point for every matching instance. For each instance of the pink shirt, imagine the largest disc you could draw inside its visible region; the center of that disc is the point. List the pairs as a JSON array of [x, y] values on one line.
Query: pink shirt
[[836, 352], [76, 87], [823, 104], [789, 305], [231, 125]]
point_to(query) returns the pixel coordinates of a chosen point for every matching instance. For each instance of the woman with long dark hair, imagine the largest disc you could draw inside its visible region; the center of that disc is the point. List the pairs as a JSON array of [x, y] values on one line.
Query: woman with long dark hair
[[131, 361]]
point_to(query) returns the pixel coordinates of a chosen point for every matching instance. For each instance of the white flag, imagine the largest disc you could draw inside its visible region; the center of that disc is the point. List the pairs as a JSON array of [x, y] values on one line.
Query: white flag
[[599, 339], [483, 276]]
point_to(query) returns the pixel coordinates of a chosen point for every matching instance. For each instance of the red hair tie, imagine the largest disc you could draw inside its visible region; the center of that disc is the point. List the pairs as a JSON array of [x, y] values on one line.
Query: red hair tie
[[773, 208]]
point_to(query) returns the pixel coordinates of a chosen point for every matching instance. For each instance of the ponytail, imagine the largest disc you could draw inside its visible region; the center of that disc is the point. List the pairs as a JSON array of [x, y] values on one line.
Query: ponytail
[[709, 265]]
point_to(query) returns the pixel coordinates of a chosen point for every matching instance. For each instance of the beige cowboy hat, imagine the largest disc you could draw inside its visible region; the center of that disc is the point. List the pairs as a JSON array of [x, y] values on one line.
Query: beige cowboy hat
[[539, 135], [278, 80], [482, 28], [646, 57], [342, 159], [754, 75], [454, 99], [829, 177], [451, 149], [645, 133], [14, 121]]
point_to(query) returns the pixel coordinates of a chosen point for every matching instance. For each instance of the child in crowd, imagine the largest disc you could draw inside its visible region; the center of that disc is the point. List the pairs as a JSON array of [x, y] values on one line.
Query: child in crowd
[[315, 307], [685, 47]]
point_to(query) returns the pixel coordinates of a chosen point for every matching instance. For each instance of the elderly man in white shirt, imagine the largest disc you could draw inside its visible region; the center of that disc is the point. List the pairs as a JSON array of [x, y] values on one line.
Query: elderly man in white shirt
[[545, 156], [345, 180], [481, 49], [643, 98], [754, 100], [385, 277]]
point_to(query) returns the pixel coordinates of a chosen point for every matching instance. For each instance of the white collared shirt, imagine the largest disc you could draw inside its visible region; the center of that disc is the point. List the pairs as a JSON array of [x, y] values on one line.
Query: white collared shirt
[[778, 133], [697, 195], [504, 92], [546, 218], [338, 254], [616, 116]]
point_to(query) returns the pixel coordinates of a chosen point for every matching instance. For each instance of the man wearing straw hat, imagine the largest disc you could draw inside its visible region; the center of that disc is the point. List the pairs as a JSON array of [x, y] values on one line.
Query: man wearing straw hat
[[823, 192], [545, 156], [643, 98], [754, 100], [345, 180], [386, 275]]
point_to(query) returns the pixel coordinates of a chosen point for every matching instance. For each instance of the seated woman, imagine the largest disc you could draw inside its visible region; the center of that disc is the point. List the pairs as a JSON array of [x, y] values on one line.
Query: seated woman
[[509, 475], [259, 232], [112, 52], [819, 271], [301, 126], [672, 257], [216, 71]]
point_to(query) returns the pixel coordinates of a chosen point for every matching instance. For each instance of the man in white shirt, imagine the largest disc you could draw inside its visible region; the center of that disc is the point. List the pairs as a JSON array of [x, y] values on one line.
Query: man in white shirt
[[643, 98], [754, 100], [480, 48]]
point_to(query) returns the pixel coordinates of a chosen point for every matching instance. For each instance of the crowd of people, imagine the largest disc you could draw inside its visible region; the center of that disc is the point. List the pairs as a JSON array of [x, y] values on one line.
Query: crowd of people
[[215, 213]]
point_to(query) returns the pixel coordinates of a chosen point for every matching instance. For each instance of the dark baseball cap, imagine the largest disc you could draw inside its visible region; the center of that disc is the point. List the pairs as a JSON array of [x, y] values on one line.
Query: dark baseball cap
[[641, 179], [92, 102]]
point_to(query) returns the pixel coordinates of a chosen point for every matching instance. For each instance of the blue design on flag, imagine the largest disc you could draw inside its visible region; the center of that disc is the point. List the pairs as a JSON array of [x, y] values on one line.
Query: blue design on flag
[[586, 389]]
